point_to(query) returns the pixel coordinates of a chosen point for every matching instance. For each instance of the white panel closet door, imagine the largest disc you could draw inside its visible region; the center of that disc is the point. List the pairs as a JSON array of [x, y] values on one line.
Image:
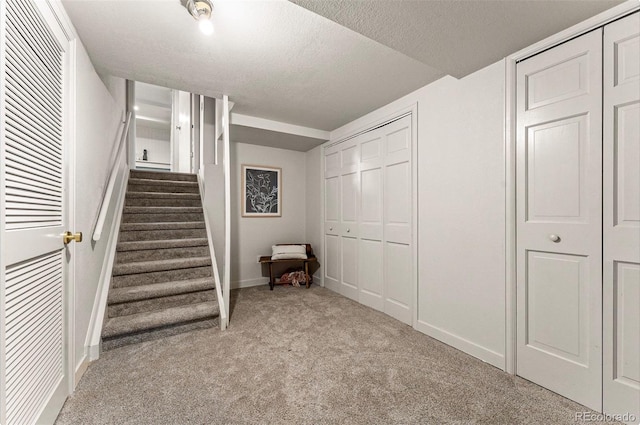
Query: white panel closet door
[[371, 245], [398, 276], [349, 212], [33, 204], [559, 219], [621, 386], [332, 218]]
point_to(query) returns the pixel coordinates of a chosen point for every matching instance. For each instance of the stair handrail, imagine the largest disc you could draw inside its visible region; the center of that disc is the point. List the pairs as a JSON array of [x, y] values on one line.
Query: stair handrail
[[214, 263], [113, 174]]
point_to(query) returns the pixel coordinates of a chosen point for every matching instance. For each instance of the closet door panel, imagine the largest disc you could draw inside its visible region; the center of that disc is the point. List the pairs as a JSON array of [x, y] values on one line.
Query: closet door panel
[[371, 252], [332, 261], [332, 205], [349, 217], [371, 273], [398, 281], [559, 219], [397, 203], [397, 181], [349, 271], [371, 204], [621, 285], [332, 170], [349, 204]]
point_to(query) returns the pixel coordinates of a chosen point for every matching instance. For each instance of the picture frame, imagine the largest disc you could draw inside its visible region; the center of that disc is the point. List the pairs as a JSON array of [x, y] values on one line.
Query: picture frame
[[261, 191]]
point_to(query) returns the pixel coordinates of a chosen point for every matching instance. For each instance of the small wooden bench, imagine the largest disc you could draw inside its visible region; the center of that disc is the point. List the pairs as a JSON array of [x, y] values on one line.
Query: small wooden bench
[[311, 258]]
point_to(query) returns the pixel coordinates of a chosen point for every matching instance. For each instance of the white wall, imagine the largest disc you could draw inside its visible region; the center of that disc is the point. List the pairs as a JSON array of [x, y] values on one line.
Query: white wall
[[253, 237], [213, 178], [98, 123], [461, 209], [157, 142], [313, 194], [462, 213]]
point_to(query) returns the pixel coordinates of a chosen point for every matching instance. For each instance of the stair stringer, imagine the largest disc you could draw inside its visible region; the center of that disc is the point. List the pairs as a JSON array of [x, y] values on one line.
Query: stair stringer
[[224, 318], [94, 334]]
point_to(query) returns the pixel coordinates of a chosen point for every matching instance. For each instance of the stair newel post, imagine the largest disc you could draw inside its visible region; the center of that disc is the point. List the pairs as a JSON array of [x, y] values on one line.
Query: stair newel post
[[227, 204]]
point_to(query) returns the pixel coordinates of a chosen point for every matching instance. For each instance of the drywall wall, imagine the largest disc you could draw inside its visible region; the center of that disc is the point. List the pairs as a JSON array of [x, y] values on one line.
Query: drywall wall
[[461, 208], [157, 142], [98, 120], [213, 179], [313, 196], [251, 236]]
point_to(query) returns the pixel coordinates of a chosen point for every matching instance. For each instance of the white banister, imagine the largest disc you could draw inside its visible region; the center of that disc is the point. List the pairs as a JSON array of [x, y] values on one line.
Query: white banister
[[227, 202], [106, 200], [214, 263]]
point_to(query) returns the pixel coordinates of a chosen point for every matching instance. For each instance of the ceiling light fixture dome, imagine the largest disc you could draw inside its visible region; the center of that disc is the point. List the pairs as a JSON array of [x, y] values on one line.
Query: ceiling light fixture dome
[[201, 12]]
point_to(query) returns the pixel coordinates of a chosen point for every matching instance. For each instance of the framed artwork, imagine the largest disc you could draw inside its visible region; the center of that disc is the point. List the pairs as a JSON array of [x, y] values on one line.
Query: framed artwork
[[261, 191]]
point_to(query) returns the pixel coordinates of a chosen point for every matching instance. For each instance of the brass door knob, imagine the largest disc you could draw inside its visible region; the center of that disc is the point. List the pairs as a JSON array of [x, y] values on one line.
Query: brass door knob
[[68, 237]]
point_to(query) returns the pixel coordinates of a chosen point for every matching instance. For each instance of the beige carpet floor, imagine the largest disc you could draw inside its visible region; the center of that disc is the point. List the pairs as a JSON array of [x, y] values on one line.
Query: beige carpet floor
[[305, 356]]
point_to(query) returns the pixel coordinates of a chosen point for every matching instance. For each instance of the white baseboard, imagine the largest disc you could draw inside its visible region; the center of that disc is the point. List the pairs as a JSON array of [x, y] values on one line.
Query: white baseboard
[[93, 351], [249, 283], [482, 353], [81, 368]]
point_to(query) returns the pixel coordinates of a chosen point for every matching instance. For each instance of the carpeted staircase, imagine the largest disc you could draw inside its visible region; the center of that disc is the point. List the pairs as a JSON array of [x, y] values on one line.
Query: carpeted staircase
[[162, 281]]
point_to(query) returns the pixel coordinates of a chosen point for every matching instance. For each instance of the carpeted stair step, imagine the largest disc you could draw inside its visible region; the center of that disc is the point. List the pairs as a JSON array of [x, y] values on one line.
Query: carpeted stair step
[[160, 265], [161, 244], [165, 289], [159, 333], [167, 186], [124, 325], [165, 200], [161, 214], [166, 225], [160, 276], [161, 210], [161, 217], [161, 254], [149, 235], [163, 175], [160, 303]]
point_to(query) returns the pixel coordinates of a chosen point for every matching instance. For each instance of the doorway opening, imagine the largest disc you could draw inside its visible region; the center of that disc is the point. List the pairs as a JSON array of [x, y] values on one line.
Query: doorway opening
[[162, 129]]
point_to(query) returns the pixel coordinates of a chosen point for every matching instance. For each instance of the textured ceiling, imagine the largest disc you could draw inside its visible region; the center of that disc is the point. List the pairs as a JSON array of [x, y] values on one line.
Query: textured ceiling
[[457, 37], [274, 59], [280, 61]]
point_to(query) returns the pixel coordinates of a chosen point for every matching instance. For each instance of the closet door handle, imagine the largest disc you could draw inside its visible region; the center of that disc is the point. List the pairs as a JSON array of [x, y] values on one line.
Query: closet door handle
[[348, 230], [554, 238], [330, 228]]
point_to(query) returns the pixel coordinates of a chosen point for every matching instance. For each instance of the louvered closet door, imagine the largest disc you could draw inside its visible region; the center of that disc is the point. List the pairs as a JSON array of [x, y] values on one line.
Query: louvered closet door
[[621, 289], [33, 218]]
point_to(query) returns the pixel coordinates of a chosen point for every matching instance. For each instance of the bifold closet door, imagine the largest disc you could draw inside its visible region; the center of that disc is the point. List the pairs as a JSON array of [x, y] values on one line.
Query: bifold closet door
[[559, 219], [349, 212], [332, 218], [371, 243], [621, 386], [398, 264]]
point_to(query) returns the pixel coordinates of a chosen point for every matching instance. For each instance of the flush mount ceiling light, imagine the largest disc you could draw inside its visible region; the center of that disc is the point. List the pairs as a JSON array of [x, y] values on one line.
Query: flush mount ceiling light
[[201, 12]]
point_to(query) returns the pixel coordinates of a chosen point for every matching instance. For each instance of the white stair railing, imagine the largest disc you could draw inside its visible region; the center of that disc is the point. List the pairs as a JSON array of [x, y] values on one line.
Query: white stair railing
[[106, 200], [224, 320]]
